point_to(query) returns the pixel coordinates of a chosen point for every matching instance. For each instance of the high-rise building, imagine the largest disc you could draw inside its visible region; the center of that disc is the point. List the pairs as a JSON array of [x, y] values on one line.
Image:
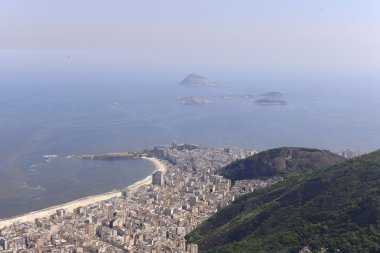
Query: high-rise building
[[4, 243], [192, 248], [61, 212], [125, 194], [158, 178]]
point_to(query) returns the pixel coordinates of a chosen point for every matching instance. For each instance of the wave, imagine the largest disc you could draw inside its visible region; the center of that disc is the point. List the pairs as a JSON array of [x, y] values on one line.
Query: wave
[[38, 188], [50, 156], [36, 165]]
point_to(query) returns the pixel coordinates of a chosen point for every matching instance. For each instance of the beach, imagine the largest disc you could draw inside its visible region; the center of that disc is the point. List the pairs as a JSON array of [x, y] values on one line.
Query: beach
[[46, 212]]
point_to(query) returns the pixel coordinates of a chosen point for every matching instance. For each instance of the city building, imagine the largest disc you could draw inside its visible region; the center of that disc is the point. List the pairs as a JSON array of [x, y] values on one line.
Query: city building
[[158, 178]]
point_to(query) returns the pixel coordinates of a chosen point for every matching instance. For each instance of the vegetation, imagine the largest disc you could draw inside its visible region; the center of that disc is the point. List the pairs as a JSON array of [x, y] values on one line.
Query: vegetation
[[335, 208], [280, 161], [183, 147]]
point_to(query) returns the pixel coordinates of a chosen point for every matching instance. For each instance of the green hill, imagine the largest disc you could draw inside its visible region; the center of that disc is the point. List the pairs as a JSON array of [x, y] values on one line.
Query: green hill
[[279, 161], [335, 208]]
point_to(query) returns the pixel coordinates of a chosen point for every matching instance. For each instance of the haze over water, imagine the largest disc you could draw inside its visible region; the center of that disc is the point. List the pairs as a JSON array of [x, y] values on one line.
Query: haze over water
[[60, 109]]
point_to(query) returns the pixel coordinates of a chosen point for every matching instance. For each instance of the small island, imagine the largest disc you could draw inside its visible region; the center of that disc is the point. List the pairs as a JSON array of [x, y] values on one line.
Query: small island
[[267, 101], [197, 81], [193, 100]]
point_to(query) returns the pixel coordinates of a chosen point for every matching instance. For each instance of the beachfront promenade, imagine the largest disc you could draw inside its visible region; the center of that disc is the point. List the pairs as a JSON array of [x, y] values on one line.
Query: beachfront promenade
[[46, 212], [148, 218]]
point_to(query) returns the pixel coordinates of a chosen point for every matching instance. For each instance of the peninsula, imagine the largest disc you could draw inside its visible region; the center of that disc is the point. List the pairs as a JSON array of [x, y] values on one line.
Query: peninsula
[[193, 203]]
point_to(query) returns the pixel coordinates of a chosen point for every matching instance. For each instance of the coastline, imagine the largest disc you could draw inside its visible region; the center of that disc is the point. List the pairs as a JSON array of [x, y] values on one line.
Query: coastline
[[46, 212]]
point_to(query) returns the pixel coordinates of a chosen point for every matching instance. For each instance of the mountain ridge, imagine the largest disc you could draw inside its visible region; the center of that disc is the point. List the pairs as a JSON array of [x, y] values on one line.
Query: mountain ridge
[[334, 208]]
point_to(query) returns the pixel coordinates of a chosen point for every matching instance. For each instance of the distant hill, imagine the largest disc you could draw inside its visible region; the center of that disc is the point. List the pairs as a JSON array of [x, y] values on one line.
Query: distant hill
[[279, 161], [196, 80], [336, 209]]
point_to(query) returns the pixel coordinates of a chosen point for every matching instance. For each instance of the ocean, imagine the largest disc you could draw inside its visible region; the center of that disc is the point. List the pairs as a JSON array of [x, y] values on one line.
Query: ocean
[[66, 108]]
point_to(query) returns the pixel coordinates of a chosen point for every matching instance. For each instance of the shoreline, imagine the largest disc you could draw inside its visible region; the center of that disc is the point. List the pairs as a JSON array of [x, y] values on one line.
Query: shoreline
[[46, 212]]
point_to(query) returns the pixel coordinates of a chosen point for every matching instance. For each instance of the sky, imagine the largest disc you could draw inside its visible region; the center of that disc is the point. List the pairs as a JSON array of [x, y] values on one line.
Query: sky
[[279, 34]]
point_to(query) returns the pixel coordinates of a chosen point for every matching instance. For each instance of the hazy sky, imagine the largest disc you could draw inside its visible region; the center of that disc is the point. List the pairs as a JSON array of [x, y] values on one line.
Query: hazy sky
[[343, 34]]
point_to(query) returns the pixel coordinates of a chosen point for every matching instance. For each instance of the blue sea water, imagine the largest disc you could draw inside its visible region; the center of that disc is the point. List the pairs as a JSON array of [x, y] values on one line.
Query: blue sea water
[[64, 109]]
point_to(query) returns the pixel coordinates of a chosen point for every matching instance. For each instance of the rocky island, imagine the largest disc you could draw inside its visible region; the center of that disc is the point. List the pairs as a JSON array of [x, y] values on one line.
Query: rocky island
[[271, 98], [193, 100], [196, 80]]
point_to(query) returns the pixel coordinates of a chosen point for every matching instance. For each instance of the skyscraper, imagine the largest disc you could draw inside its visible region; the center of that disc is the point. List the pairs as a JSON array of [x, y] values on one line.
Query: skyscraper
[[158, 178]]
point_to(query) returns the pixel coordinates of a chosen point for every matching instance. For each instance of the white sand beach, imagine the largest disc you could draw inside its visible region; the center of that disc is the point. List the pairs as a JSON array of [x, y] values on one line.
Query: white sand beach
[[46, 212]]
